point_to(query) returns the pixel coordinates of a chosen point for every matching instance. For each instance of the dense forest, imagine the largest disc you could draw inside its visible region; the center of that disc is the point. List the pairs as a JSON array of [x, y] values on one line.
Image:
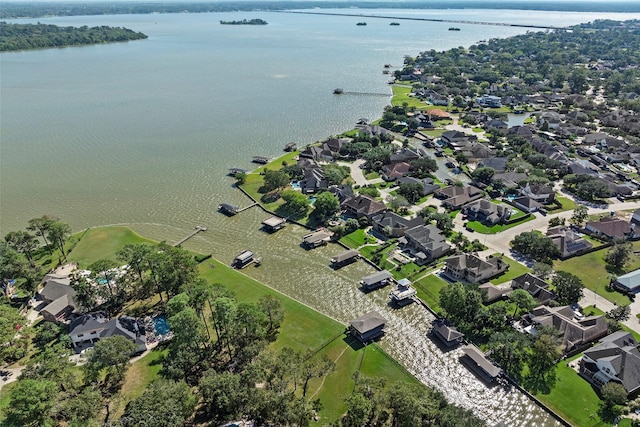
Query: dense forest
[[35, 10], [39, 36]]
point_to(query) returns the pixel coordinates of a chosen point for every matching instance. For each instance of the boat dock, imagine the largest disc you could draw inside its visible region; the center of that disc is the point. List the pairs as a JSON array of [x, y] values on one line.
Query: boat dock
[[193, 233], [346, 92], [261, 160], [231, 210]]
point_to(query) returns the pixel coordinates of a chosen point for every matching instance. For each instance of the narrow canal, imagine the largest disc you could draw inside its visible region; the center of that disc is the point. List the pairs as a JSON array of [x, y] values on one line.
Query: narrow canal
[[306, 276]]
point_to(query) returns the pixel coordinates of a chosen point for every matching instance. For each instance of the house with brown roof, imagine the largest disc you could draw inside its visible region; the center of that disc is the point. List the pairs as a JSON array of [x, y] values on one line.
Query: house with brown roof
[[487, 212], [363, 205], [610, 227], [455, 197], [616, 359], [471, 268], [393, 171], [572, 331]]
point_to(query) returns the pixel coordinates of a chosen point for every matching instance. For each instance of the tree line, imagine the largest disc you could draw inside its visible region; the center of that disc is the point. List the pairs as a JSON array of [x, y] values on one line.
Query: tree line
[[40, 36]]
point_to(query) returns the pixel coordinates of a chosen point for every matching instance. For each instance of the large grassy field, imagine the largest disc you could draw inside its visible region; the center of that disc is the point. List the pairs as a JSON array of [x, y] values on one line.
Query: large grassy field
[[591, 269], [484, 229], [429, 290], [401, 96], [302, 329]]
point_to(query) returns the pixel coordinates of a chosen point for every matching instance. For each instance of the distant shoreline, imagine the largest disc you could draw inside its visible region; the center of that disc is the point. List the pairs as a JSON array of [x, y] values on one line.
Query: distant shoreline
[[14, 10]]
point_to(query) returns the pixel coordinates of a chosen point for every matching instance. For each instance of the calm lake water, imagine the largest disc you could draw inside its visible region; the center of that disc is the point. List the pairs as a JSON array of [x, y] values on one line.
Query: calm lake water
[[142, 134]]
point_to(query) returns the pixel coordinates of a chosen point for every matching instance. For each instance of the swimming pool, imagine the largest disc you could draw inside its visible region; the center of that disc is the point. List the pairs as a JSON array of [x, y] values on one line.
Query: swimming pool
[[161, 325], [295, 185]]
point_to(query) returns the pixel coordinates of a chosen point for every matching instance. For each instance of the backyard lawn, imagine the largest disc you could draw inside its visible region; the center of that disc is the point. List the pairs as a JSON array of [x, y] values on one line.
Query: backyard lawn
[[429, 290], [566, 203], [515, 269], [354, 240]]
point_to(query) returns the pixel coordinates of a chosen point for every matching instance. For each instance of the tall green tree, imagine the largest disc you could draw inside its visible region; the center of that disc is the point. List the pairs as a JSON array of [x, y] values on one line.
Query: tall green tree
[[580, 214], [58, 232], [569, 287], [23, 243], [31, 404], [326, 205], [522, 300], [41, 226], [618, 255], [164, 403], [111, 356]]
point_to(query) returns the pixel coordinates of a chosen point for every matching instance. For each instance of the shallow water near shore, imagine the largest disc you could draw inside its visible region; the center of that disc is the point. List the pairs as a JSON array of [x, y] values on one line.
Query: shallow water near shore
[[142, 134]]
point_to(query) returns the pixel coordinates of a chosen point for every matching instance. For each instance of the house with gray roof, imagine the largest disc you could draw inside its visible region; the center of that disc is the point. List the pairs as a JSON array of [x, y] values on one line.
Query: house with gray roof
[[541, 193], [568, 242], [59, 298], [393, 225], [471, 268], [368, 326], [476, 360], [537, 288], [446, 333], [425, 243], [615, 359], [498, 164], [629, 282], [428, 186], [89, 328], [487, 212]]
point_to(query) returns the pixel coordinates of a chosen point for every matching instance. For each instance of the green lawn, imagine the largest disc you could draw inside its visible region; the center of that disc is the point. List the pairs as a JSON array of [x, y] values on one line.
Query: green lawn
[[401, 95], [515, 269], [429, 290], [103, 243], [372, 175], [435, 133], [573, 398], [566, 205], [591, 269], [356, 239], [481, 228]]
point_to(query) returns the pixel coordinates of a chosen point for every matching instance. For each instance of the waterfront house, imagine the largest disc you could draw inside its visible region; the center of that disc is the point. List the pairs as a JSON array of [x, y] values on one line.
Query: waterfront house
[[89, 328], [313, 180], [345, 258], [537, 288], [615, 359], [368, 327], [471, 268], [393, 225], [228, 209], [274, 223], [403, 293], [475, 359], [363, 206], [376, 280], [59, 298], [568, 242], [487, 212], [573, 332], [425, 243], [446, 333], [316, 239], [454, 197], [629, 282]]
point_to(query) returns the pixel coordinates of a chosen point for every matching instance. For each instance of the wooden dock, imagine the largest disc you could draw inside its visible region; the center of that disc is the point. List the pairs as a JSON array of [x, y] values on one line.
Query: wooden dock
[[247, 207], [193, 233]]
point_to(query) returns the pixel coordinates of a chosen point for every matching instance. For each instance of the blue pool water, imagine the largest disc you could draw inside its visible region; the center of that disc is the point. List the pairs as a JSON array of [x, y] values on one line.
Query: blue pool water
[[295, 185], [102, 281], [162, 327]]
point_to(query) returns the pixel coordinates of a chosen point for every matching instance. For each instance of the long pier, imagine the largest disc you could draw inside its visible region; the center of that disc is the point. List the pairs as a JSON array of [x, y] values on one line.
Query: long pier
[[449, 21], [346, 92], [193, 233], [247, 207]]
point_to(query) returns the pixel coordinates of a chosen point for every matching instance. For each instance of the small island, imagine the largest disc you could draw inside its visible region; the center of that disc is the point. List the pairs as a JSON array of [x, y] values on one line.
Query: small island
[[454, 29], [394, 23], [39, 36], [245, 22], [361, 23]]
